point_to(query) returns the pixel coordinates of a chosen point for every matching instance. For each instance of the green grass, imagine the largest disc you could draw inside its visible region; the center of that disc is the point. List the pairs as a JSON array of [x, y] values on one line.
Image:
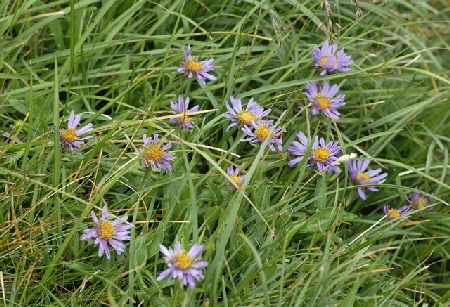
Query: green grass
[[288, 236]]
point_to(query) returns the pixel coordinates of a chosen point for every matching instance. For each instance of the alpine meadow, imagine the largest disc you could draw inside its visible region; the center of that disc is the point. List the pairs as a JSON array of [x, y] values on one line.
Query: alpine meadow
[[239, 153]]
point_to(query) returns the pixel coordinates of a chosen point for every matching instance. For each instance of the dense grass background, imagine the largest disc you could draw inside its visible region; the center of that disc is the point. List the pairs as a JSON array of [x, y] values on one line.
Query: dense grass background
[[289, 236]]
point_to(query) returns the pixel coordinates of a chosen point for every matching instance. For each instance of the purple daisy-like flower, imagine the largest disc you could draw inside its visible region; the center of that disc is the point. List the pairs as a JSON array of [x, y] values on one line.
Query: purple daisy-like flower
[[358, 174], [240, 117], [155, 155], [323, 155], [394, 214], [298, 149], [234, 175], [261, 133], [323, 100], [108, 232], [330, 59], [185, 266], [194, 67], [71, 137], [182, 107], [420, 201]]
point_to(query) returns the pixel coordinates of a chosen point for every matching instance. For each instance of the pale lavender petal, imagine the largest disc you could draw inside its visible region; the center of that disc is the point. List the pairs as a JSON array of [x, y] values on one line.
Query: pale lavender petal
[[71, 119], [195, 250], [75, 121], [103, 248], [85, 129], [164, 274], [164, 250], [361, 193], [94, 217], [89, 234]]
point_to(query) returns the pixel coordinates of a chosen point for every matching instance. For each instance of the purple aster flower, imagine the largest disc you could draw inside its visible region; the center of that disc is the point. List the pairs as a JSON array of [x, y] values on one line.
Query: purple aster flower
[[185, 266], [323, 100], [330, 60], [359, 176], [240, 117], [106, 231], [323, 155], [420, 201], [234, 175], [396, 215], [155, 155], [194, 67], [261, 133], [71, 137], [298, 149], [182, 108]]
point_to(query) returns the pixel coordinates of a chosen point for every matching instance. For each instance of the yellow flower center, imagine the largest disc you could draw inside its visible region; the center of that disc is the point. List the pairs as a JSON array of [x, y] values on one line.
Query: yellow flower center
[[262, 132], [321, 154], [105, 230], [323, 60], [393, 214], [194, 65], [419, 203], [69, 135], [245, 118], [184, 119], [236, 179], [364, 176], [324, 103], [155, 153], [183, 260]]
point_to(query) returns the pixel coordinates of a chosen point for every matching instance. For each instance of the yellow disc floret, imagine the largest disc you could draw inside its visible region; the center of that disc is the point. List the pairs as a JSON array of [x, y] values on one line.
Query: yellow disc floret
[[324, 103], [183, 260], [155, 153], [365, 176], [321, 154], [323, 60], [184, 119], [419, 203], [262, 132], [236, 178], [105, 230], [393, 214], [69, 135], [245, 118], [193, 64]]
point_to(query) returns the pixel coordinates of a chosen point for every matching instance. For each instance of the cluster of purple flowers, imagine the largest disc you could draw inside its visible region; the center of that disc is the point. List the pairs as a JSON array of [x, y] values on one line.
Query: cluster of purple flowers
[[154, 150], [417, 201], [251, 122], [183, 265], [323, 98], [258, 130]]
